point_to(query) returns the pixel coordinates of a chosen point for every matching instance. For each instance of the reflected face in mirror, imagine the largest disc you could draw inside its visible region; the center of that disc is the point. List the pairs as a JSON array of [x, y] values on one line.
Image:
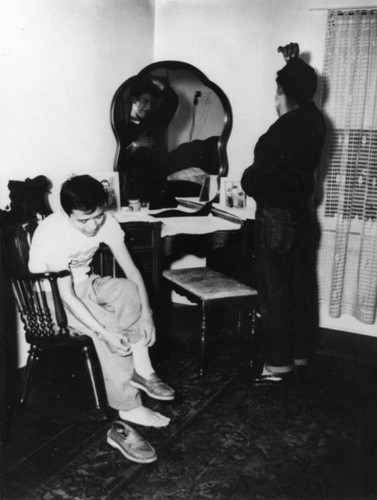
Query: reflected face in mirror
[[143, 106]]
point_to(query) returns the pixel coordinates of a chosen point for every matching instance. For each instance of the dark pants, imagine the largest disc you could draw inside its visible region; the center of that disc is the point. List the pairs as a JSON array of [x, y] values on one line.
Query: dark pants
[[287, 285]]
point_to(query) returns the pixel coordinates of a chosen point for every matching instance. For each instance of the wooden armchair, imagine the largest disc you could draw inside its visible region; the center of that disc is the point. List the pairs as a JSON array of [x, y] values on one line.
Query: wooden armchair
[[45, 325]]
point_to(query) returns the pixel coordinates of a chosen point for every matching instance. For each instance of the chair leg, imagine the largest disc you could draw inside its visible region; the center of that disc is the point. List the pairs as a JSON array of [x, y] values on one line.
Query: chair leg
[[254, 342], [32, 359], [203, 332], [253, 318], [239, 320], [90, 369]]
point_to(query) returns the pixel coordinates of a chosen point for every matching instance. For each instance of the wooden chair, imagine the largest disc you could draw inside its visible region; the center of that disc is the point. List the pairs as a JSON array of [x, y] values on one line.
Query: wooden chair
[[44, 327], [211, 289]]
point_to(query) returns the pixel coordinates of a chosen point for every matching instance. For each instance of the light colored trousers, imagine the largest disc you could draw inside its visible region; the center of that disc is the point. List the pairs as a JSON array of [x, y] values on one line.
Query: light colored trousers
[[115, 303]]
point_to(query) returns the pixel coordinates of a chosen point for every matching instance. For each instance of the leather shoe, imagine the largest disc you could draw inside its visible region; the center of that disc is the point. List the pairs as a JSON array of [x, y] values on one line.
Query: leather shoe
[[273, 379], [130, 443], [153, 386]]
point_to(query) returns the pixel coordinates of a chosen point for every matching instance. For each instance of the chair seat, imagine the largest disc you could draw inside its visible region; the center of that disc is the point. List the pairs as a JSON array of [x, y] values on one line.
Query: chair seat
[[208, 284], [73, 338]]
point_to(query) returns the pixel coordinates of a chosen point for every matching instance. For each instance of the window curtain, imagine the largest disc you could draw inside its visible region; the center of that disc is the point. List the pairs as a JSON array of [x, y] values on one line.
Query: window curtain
[[349, 100]]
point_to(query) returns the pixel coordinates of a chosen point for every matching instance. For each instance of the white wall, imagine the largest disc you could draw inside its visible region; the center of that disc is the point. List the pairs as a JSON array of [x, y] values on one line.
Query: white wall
[[61, 62]]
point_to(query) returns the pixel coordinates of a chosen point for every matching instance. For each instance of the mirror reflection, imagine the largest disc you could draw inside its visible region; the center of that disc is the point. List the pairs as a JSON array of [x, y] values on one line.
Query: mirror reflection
[[172, 125]]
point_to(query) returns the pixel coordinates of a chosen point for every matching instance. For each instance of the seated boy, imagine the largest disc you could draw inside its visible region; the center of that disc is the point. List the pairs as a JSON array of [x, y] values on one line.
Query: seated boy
[[115, 312]]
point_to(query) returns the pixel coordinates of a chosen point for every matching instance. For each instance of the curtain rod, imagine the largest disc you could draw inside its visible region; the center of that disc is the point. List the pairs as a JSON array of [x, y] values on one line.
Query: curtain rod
[[356, 9]]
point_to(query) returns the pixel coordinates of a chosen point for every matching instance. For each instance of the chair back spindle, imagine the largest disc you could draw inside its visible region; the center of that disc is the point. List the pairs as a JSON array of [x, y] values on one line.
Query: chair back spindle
[[30, 290]]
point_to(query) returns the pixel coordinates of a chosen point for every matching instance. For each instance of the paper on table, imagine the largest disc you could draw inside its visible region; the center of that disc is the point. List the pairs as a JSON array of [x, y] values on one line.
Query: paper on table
[[196, 225], [181, 225]]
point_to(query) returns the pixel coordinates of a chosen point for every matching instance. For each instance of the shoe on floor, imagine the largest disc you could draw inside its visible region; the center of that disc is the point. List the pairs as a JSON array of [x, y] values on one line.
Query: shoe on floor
[[273, 379], [130, 443], [153, 386]]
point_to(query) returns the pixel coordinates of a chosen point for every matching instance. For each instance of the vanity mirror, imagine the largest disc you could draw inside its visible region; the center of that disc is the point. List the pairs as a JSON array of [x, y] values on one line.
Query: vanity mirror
[[172, 125]]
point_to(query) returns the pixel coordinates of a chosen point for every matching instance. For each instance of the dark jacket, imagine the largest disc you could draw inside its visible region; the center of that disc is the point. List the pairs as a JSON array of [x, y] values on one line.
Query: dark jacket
[[285, 159]]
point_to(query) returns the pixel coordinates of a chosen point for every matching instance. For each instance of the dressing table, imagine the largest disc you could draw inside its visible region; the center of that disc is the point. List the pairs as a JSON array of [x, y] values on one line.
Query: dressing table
[[222, 237]]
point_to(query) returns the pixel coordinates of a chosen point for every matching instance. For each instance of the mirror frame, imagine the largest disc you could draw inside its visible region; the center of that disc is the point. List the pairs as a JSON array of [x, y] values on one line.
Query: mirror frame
[[177, 65]]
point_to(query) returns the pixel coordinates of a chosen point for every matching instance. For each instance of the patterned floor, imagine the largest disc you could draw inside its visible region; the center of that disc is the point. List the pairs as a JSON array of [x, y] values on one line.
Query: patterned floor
[[230, 440], [309, 442]]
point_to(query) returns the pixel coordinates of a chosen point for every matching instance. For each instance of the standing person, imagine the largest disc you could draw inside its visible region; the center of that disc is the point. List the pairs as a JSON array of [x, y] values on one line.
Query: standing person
[[143, 148], [114, 312], [281, 180]]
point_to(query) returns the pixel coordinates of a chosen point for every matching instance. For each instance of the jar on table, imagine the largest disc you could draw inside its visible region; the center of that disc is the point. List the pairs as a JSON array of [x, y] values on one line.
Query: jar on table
[[134, 205]]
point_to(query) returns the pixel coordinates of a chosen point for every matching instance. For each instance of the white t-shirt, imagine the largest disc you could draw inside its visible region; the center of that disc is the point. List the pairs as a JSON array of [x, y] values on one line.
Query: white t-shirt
[[58, 246]]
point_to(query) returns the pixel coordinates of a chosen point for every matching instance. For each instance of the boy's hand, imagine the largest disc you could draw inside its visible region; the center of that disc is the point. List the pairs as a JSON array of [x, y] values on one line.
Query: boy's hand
[[289, 51], [147, 329], [116, 342]]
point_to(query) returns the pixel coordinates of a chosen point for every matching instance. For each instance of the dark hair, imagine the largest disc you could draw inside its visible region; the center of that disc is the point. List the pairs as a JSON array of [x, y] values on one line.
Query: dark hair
[[146, 86], [82, 192], [298, 81]]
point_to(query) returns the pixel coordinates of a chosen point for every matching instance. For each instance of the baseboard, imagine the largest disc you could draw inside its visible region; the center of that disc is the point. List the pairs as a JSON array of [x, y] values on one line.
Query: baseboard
[[336, 343], [347, 345]]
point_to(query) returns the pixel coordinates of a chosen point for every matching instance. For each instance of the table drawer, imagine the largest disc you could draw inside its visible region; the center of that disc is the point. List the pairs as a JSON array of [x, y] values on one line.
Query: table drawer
[[143, 242], [138, 237]]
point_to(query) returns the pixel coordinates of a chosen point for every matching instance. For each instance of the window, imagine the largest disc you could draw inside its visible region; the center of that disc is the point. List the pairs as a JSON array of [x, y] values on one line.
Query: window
[[349, 99], [353, 171], [349, 210]]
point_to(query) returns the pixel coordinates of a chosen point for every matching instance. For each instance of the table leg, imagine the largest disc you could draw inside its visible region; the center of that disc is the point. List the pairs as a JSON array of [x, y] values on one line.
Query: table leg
[[203, 331]]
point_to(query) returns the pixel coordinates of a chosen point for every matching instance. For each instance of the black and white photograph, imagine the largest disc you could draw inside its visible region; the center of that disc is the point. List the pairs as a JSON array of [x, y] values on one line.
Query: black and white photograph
[[188, 250]]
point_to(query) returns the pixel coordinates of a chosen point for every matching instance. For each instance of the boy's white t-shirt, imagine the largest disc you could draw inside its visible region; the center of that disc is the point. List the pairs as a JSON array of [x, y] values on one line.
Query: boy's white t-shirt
[[58, 246]]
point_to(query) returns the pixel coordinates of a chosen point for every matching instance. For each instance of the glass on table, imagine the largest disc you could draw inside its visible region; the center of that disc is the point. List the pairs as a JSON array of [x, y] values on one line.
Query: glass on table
[[134, 205], [144, 206]]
